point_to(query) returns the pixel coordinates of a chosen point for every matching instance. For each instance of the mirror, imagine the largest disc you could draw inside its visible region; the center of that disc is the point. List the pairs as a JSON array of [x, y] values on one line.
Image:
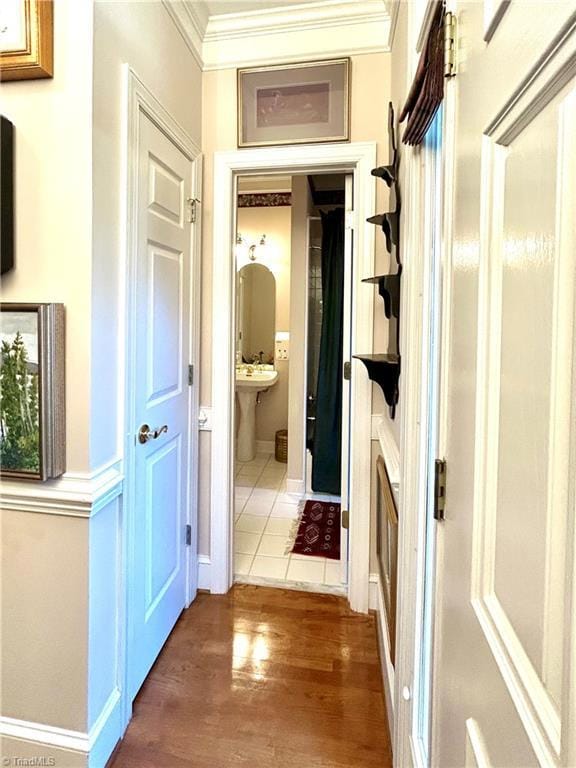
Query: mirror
[[255, 314]]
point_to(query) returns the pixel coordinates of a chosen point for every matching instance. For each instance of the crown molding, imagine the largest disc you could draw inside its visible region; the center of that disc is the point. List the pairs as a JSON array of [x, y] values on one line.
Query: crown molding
[[283, 34], [295, 18], [191, 20]]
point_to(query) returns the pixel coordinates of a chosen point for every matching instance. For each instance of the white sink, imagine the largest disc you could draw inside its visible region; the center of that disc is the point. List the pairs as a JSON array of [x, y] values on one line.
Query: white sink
[[257, 380], [248, 385]]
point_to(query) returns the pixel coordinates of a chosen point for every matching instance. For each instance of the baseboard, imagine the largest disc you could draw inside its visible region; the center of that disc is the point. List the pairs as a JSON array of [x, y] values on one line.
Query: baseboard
[[106, 731], [265, 446], [296, 586], [91, 749], [204, 579], [376, 603], [295, 486]]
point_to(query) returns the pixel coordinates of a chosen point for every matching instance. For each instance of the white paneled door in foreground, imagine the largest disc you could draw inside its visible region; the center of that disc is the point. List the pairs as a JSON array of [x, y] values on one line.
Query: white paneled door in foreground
[[505, 684], [162, 396]]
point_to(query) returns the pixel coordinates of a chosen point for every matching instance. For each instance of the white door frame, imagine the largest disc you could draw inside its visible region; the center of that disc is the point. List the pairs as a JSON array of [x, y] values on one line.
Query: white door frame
[[420, 164], [139, 99], [355, 158]]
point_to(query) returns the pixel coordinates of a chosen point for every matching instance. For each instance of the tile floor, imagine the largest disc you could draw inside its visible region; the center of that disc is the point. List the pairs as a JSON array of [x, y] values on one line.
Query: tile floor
[[264, 515]]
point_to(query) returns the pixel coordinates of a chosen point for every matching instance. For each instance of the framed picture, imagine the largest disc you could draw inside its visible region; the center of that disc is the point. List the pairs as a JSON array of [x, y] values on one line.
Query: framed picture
[[294, 103], [26, 39], [32, 413]]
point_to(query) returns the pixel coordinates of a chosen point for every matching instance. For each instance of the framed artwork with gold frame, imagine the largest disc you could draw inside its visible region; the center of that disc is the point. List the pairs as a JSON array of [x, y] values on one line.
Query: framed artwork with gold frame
[[26, 39], [299, 103]]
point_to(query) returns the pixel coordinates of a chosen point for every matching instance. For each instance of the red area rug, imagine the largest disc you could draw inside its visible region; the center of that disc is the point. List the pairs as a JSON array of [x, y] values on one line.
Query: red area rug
[[318, 530]]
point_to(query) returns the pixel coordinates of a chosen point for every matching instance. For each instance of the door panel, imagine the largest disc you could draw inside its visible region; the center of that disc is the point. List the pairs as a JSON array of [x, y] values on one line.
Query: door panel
[[507, 631], [162, 399], [165, 321], [163, 534]]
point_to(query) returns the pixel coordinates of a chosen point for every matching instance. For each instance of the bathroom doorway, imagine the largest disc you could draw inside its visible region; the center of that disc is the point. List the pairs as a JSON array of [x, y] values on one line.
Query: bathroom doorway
[[293, 261]]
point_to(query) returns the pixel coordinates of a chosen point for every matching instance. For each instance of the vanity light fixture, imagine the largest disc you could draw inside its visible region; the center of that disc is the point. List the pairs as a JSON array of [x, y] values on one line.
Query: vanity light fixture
[[252, 251], [253, 247]]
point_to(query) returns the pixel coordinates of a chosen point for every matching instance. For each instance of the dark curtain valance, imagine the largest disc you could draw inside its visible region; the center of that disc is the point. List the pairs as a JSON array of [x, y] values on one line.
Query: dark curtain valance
[[427, 89]]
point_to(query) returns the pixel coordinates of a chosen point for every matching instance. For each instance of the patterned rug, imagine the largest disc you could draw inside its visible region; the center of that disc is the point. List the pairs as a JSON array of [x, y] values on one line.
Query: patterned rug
[[318, 530]]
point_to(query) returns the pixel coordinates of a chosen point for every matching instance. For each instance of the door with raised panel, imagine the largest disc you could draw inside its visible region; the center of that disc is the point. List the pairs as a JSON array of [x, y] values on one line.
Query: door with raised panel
[[162, 395], [506, 631]]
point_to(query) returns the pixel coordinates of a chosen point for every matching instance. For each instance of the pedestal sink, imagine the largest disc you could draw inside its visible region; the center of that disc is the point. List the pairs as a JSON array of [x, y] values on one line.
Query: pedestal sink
[[247, 387]]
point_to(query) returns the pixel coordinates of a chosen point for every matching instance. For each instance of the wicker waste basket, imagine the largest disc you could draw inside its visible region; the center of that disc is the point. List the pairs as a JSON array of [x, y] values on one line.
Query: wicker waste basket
[[281, 453]]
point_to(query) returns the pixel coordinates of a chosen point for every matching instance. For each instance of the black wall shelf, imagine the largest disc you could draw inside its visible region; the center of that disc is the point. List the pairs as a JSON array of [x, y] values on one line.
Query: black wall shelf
[[384, 369], [389, 290]]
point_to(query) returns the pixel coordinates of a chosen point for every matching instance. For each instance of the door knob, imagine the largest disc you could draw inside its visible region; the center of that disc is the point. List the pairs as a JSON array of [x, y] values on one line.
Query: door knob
[[145, 433]]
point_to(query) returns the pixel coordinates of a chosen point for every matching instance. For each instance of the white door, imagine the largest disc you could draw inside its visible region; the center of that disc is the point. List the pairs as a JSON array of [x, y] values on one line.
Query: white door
[[162, 395], [505, 683], [346, 356]]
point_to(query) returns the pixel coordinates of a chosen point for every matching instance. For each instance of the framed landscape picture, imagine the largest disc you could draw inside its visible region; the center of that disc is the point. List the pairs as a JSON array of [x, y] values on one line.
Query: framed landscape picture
[[294, 103], [26, 39], [32, 413]]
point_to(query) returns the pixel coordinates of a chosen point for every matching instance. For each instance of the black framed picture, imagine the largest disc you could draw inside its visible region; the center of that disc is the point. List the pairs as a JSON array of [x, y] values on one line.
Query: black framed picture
[[6, 195]]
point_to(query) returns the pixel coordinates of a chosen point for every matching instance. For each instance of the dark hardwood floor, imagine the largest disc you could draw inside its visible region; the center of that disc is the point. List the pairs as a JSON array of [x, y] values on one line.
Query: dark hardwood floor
[[265, 678]]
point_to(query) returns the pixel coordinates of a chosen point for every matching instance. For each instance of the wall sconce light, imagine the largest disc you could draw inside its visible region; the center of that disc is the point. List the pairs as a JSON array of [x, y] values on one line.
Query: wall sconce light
[[252, 250], [245, 253]]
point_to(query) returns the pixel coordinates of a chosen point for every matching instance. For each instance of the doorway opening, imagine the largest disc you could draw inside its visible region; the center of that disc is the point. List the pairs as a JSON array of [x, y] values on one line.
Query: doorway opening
[[356, 159], [292, 332]]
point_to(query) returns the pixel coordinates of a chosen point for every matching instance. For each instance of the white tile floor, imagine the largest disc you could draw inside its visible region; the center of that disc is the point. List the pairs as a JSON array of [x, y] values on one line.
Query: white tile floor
[[264, 516]]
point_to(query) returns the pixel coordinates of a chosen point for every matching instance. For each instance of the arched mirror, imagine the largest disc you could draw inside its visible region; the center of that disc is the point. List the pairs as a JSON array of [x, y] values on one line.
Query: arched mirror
[[255, 314]]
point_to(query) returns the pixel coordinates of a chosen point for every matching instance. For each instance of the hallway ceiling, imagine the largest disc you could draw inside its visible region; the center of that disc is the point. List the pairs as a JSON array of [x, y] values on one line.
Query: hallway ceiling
[[216, 7]]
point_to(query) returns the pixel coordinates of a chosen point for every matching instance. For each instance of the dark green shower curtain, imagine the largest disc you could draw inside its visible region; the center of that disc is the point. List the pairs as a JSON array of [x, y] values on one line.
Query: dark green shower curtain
[[326, 462]]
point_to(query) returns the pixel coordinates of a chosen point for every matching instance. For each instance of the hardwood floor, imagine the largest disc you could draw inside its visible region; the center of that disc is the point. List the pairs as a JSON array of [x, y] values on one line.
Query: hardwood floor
[[265, 678]]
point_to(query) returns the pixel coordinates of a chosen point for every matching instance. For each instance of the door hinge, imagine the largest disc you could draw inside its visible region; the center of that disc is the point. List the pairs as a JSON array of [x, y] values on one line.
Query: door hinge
[[347, 370], [345, 518], [190, 375], [192, 203], [439, 489], [188, 535], [449, 44]]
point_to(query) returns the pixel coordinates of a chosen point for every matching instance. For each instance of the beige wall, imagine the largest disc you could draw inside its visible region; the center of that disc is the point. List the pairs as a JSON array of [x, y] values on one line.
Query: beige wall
[[44, 620], [272, 412], [52, 128], [370, 93]]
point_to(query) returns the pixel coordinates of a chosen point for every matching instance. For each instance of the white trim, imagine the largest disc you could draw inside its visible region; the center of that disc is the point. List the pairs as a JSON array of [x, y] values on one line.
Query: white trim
[[295, 586], [204, 576], [51, 735], [296, 486], [273, 35], [194, 390], [475, 746], [295, 18], [72, 495], [418, 216], [377, 604], [358, 158], [190, 24], [382, 431]]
